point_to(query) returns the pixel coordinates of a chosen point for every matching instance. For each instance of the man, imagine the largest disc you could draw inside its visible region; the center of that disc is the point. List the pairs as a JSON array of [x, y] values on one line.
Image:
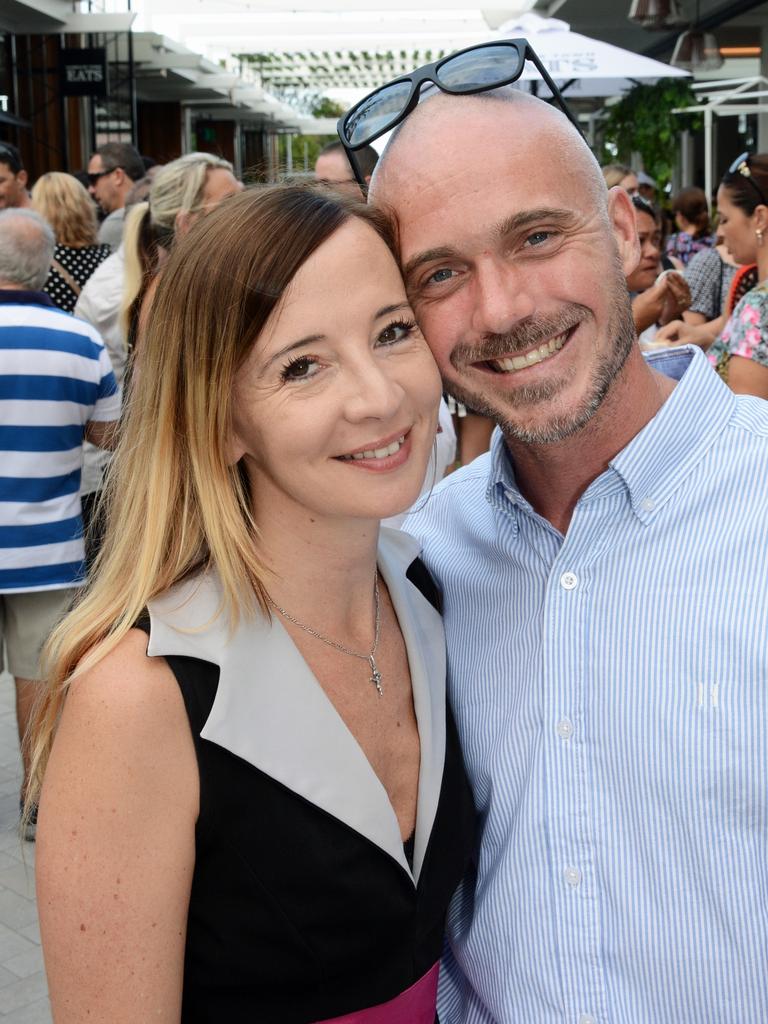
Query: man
[[56, 387], [13, 179], [603, 576], [332, 168], [112, 171]]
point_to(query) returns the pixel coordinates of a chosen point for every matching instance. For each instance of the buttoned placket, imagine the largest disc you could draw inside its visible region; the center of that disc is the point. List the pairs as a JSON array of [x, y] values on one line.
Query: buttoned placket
[[565, 700]]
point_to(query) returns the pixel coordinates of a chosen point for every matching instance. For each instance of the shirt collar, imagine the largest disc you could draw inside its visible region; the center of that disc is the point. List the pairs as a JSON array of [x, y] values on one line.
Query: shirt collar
[[17, 297], [656, 460]]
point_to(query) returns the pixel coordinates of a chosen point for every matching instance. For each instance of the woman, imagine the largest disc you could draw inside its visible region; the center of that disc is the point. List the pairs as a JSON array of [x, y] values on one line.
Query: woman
[[620, 174], [740, 353], [181, 192], [261, 815], [694, 231], [65, 204], [657, 296]]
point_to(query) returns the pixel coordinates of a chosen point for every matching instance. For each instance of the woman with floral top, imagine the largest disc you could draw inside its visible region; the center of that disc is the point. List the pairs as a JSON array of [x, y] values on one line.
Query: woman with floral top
[[740, 354]]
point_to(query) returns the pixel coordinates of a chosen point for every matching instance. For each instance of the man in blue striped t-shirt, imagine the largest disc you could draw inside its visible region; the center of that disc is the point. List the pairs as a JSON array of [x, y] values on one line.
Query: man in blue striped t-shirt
[[56, 388], [603, 572]]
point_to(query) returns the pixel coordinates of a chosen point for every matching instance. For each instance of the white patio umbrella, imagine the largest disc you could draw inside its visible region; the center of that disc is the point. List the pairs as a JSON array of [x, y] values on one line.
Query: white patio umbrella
[[585, 67]]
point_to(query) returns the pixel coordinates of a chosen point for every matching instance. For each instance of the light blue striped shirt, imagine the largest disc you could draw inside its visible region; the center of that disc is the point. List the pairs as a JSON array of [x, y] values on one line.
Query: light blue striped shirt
[[611, 694]]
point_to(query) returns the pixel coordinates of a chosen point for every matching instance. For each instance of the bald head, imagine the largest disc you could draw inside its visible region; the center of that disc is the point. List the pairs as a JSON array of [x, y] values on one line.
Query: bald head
[[444, 131]]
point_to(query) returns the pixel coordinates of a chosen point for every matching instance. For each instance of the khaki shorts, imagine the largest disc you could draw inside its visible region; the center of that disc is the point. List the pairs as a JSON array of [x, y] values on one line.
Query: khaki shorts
[[26, 621]]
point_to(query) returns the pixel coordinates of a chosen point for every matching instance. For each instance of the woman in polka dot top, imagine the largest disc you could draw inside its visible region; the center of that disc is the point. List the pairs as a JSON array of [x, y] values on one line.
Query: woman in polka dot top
[[71, 212]]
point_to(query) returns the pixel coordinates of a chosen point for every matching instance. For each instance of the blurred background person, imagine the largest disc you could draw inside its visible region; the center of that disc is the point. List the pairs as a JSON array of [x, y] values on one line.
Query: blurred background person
[[112, 171], [13, 179], [658, 295], [333, 168], [62, 201], [740, 353], [181, 192], [620, 174], [694, 230], [58, 387], [710, 274], [646, 187]]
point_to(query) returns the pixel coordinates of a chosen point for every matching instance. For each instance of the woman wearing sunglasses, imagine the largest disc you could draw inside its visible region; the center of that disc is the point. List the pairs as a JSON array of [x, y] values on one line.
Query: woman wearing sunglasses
[[255, 807], [740, 354]]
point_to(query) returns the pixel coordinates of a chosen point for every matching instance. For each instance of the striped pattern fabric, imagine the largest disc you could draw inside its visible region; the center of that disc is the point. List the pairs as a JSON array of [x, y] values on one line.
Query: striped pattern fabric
[[611, 694], [55, 376]]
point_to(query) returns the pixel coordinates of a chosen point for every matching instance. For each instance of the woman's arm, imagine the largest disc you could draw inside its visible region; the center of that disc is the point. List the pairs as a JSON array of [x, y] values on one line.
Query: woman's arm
[[747, 377], [115, 843]]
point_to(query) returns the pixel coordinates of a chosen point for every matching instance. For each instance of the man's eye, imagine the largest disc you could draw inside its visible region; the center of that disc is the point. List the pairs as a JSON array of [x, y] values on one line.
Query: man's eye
[[538, 238], [439, 276]]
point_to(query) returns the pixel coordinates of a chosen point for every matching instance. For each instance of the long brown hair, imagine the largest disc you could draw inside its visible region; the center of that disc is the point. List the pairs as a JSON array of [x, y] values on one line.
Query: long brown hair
[[174, 503]]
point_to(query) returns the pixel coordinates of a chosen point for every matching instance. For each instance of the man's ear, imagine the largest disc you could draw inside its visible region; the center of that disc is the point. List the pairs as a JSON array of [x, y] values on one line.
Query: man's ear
[[624, 226], [22, 177]]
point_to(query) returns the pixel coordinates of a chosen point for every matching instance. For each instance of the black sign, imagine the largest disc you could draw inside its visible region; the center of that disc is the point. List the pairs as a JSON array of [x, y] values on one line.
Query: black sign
[[83, 72]]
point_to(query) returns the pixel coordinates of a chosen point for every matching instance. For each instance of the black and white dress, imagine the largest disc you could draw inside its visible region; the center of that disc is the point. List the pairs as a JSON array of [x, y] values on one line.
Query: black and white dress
[[79, 262], [305, 906]]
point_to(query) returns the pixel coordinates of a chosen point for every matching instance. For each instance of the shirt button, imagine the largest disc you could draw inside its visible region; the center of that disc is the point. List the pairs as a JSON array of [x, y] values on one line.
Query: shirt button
[[586, 1018], [572, 876], [648, 504], [569, 580], [565, 728]]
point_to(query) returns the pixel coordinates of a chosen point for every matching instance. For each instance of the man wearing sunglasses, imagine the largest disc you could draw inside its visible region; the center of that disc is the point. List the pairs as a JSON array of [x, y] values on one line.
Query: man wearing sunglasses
[[13, 179], [112, 172], [606, 643]]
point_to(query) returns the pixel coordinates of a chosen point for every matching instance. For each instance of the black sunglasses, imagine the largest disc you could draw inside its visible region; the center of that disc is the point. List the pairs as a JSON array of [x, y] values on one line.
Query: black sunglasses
[[741, 166], [464, 73], [94, 176]]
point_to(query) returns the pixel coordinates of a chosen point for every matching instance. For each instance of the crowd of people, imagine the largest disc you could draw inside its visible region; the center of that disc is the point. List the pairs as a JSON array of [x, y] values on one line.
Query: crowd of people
[[310, 736]]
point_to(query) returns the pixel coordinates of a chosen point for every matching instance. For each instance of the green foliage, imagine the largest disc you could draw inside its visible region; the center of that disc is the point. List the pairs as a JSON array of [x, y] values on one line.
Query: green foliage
[[325, 107], [642, 122]]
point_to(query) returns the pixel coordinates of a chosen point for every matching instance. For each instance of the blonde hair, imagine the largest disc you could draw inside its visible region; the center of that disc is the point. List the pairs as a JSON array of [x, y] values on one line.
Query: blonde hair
[[614, 174], [65, 204], [174, 502]]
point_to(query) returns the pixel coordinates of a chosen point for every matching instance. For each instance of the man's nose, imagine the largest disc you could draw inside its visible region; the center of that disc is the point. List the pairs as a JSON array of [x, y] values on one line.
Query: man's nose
[[502, 296]]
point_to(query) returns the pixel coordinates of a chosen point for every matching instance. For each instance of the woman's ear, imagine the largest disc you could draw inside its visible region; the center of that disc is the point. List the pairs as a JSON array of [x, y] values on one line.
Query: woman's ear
[[234, 449], [182, 223]]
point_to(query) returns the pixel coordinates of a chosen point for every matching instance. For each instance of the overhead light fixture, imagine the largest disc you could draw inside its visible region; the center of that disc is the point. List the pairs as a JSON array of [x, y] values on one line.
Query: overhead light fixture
[[697, 51], [657, 14]]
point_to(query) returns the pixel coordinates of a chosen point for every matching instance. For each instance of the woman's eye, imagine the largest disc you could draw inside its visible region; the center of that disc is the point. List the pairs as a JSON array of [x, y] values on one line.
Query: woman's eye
[[396, 332], [300, 369]]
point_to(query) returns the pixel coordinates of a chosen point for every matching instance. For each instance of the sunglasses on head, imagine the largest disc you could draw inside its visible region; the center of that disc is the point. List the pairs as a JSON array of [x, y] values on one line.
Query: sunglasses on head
[[94, 176], [741, 166], [464, 73]]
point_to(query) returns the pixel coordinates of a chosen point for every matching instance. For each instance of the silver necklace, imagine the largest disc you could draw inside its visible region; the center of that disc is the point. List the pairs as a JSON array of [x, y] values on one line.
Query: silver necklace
[[370, 658]]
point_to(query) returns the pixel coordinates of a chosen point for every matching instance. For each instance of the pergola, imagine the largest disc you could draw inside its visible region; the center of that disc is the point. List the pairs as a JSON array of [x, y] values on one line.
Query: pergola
[[727, 98]]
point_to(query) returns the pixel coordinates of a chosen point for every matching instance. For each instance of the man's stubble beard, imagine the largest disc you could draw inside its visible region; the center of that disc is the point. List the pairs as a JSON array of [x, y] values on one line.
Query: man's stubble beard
[[528, 333]]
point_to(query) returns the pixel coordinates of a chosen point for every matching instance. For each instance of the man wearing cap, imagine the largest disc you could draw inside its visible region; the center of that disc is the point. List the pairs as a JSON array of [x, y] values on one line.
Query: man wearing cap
[[608, 660]]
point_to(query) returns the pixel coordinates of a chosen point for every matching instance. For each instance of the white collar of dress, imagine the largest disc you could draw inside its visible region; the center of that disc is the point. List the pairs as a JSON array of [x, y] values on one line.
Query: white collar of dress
[[270, 710]]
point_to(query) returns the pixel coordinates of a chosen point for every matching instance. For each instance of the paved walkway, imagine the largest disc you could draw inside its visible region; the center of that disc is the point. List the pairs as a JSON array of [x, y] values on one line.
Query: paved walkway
[[23, 992]]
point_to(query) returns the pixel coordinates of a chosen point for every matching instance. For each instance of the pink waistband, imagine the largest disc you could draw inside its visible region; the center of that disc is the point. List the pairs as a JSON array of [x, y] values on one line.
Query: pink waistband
[[414, 1006]]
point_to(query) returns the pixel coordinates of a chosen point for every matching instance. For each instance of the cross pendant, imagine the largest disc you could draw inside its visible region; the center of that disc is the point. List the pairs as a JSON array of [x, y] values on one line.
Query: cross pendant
[[375, 676]]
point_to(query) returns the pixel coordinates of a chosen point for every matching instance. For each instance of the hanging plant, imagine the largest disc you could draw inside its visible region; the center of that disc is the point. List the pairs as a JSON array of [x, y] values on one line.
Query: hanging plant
[[642, 122]]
